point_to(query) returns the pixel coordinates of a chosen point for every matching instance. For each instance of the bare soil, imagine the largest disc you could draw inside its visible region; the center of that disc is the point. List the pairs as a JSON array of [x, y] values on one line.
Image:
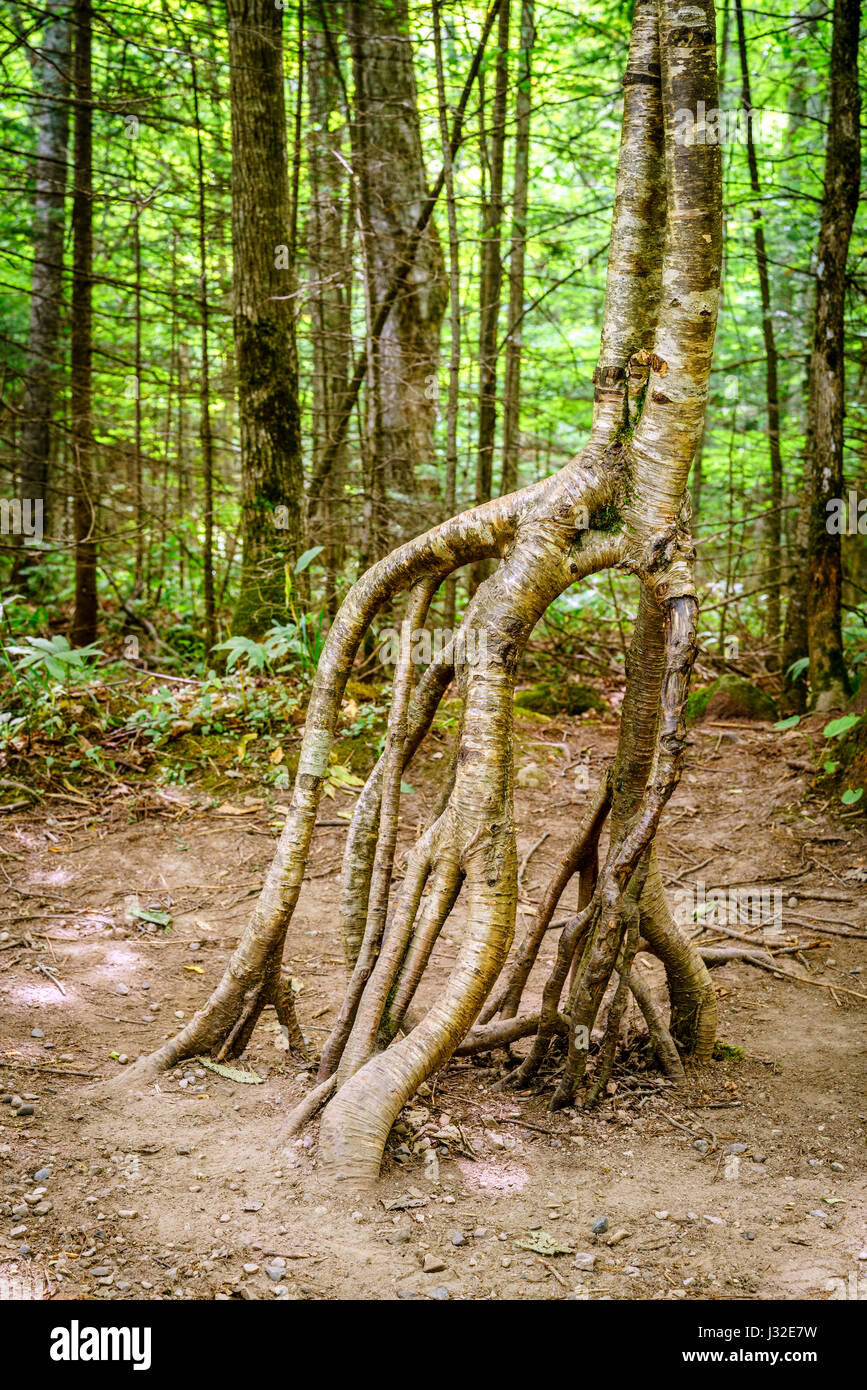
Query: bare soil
[[188, 1192]]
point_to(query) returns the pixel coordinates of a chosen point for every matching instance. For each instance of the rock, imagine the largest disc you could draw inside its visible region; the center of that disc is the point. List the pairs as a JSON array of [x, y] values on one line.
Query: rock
[[559, 697], [458, 1238], [42, 1209], [36, 1033], [506, 1262], [25, 1109], [432, 1264], [121, 988], [398, 1238], [760, 1157], [408, 1293], [732, 1168], [440, 1293], [6, 1098], [18, 1231], [100, 1271], [617, 1236], [275, 1273], [837, 1168], [736, 1149], [701, 1146], [42, 1175], [253, 1206], [730, 697], [251, 1269], [600, 1226], [585, 1259]]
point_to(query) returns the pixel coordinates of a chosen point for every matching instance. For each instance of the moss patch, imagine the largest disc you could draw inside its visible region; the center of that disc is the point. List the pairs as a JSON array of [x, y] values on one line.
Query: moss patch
[[730, 697], [559, 697]]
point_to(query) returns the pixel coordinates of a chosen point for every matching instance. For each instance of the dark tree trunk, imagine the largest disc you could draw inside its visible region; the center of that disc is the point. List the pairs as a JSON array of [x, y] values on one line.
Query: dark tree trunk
[[272, 521], [817, 591], [50, 69], [84, 621], [772, 395]]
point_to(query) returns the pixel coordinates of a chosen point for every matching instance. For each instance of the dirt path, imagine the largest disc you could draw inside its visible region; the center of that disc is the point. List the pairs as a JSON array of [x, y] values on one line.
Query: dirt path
[[747, 1183]]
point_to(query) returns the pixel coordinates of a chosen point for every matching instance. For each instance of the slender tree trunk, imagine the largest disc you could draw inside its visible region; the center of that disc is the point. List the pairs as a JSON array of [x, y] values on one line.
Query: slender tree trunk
[[453, 405], [330, 275], [388, 161], [205, 433], [512, 401], [774, 519], [492, 269], [271, 469], [85, 616], [50, 70], [813, 619]]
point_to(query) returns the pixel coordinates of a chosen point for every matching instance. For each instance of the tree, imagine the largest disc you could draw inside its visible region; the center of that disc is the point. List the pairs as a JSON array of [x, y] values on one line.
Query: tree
[[514, 340], [50, 68], [330, 274], [813, 618], [85, 616], [272, 516], [391, 186], [621, 502]]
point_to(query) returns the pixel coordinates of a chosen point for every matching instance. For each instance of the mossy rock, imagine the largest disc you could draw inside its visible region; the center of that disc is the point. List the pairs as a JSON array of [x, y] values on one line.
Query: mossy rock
[[559, 697], [730, 697]]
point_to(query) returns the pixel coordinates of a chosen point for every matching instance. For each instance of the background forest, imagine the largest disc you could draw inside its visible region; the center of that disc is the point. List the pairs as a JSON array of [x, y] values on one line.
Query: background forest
[[227, 385]]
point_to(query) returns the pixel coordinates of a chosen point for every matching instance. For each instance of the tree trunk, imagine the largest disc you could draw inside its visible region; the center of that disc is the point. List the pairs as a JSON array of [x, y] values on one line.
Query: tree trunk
[[491, 274], [205, 433], [388, 162], [50, 69], [826, 406], [774, 518], [453, 403], [512, 401], [85, 616], [330, 276], [272, 522], [620, 503]]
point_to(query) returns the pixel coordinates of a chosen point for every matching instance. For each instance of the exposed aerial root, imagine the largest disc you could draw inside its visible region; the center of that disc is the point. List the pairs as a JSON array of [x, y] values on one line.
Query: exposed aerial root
[[661, 1040], [580, 855]]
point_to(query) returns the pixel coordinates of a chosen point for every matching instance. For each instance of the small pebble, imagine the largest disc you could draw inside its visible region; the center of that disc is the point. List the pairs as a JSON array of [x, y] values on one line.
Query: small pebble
[[458, 1238], [600, 1226], [440, 1293], [433, 1264], [36, 1033]]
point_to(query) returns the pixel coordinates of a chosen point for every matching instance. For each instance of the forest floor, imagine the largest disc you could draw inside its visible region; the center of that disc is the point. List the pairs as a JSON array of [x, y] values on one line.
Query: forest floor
[[187, 1193]]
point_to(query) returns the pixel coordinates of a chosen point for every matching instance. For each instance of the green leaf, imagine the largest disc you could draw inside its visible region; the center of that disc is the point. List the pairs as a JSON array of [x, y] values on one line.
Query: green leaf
[[830, 767], [851, 795], [840, 726], [798, 667], [407, 789], [789, 723], [307, 558]]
